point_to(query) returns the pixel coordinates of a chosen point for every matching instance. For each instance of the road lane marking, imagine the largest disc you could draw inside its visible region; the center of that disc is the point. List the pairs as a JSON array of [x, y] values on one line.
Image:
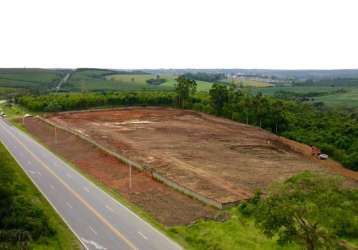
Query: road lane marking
[[78, 196], [69, 205], [145, 237], [109, 208], [52, 187], [32, 172], [93, 230], [92, 243], [86, 189], [39, 173]]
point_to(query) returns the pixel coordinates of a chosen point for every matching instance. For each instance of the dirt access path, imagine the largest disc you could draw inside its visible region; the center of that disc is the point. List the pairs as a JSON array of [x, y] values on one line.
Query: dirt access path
[[222, 160], [165, 204]]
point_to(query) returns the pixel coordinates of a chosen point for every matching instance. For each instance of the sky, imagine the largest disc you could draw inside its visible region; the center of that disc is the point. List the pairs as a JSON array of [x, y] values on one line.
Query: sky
[[278, 34]]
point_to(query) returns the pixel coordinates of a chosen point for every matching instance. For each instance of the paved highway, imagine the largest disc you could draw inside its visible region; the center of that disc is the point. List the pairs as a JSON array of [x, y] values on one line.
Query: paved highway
[[96, 219]]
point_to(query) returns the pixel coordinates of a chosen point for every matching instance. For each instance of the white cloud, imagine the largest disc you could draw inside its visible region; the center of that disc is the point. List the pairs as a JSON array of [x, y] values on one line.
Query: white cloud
[[179, 33]]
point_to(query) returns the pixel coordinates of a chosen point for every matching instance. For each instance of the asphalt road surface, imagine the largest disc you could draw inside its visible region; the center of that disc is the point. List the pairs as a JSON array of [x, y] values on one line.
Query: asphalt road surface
[[96, 219]]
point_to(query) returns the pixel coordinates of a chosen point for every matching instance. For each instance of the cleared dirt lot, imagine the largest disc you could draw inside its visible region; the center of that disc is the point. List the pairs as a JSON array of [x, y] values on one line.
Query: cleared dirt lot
[[219, 159], [165, 204]]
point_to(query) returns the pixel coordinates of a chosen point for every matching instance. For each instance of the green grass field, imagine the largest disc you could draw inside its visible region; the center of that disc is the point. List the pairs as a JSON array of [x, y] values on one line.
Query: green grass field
[[251, 83], [124, 82], [6, 91], [348, 99], [237, 233], [63, 238]]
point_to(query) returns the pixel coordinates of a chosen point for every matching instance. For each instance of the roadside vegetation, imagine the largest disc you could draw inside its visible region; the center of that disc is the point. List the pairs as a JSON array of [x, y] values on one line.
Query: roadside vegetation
[[27, 221], [309, 211]]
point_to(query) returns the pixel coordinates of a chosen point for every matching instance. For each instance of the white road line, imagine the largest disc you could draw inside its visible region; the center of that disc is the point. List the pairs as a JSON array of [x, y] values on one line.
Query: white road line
[[69, 205], [86, 189], [32, 172], [92, 243], [93, 230], [145, 237], [109, 208], [52, 187], [39, 173]]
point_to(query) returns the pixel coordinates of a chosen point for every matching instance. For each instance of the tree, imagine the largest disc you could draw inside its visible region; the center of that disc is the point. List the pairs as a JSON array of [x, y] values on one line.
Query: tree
[[219, 96], [310, 209], [260, 104], [184, 88], [277, 109]]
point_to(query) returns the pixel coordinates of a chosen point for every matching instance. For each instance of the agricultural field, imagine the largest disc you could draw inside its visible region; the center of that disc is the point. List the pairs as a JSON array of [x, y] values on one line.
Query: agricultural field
[[104, 80], [221, 161], [6, 92], [30, 78], [349, 98], [251, 83]]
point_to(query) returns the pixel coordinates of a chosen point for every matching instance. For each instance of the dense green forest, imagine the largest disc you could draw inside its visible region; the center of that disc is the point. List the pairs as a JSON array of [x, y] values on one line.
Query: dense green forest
[[26, 219], [334, 131]]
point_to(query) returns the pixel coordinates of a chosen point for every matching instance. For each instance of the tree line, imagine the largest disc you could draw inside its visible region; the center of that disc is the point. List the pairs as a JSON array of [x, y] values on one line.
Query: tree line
[[335, 132]]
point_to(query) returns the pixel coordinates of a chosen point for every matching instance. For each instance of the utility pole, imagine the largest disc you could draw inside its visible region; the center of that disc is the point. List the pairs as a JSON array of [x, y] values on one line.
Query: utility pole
[[55, 134], [130, 176]]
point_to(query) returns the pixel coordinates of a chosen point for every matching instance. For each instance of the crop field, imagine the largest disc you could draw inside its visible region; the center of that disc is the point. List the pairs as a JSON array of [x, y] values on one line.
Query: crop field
[[130, 82], [349, 99], [295, 89], [25, 78], [218, 159], [252, 83]]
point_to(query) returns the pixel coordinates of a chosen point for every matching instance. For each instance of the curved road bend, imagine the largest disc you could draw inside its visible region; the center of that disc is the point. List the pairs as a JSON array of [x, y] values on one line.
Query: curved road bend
[[97, 220]]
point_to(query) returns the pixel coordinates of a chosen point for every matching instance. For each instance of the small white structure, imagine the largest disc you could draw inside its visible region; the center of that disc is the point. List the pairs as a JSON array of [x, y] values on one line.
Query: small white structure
[[323, 156]]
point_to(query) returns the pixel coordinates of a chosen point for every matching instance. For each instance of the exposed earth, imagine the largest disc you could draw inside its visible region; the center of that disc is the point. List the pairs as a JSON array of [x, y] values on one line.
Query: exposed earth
[[219, 159], [152, 196]]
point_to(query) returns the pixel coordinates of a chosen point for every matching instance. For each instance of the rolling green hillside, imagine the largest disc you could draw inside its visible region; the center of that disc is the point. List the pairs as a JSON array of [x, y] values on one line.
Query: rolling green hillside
[[331, 96], [30, 78], [97, 80]]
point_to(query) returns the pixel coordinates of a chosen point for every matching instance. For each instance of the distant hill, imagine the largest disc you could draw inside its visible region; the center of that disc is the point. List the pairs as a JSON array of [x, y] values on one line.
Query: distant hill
[[270, 73], [30, 78]]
